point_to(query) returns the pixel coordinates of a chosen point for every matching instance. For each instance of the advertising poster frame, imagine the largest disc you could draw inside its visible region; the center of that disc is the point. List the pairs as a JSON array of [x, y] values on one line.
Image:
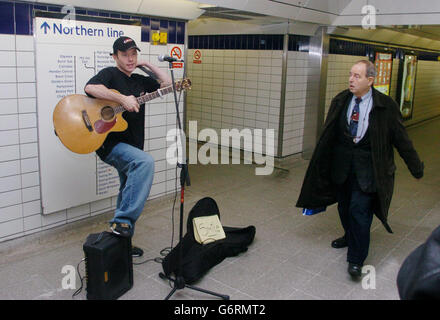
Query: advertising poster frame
[[384, 67], [406, 85]]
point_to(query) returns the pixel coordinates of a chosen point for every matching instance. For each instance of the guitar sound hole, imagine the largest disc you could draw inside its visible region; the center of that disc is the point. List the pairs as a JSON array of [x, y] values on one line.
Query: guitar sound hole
[[107, 113]]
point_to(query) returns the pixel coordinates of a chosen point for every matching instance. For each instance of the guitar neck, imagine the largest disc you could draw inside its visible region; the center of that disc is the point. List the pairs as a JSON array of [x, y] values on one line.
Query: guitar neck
[[148, 97]]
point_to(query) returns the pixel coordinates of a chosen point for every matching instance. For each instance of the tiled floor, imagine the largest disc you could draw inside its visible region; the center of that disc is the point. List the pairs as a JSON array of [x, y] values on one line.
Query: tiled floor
[[290, 258]]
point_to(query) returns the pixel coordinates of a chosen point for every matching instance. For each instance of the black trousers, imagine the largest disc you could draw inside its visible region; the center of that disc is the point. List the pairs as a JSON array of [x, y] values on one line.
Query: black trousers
[[355, 212]]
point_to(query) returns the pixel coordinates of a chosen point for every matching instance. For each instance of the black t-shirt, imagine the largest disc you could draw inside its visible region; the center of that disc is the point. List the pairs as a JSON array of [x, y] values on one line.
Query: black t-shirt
[[135, 85]]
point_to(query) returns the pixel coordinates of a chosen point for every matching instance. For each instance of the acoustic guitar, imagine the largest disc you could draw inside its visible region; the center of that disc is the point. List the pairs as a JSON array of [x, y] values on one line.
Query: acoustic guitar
[[83, 123]]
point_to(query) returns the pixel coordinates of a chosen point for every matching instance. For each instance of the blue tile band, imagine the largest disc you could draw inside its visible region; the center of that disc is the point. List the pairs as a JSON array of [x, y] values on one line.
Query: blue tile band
[[16, 18], [249, 42]]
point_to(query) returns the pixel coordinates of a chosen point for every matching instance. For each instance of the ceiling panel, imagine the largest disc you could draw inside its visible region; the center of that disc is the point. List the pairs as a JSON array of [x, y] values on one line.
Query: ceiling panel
[[399, 35], [111, 5], [334, 7], [181, 9]]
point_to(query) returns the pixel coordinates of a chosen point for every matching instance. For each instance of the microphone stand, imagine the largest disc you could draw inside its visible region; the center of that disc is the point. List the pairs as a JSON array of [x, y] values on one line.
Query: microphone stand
[[179, 280]]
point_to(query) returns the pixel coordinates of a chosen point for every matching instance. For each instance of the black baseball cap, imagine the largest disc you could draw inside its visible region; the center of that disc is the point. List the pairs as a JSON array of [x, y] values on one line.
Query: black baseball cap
[[123, 44]]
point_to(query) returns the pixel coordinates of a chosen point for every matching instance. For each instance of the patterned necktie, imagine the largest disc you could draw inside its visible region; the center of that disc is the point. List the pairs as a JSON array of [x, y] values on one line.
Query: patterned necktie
[[354, 119]]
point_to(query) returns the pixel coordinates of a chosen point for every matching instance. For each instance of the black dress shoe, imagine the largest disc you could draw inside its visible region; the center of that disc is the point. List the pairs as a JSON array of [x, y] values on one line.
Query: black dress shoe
[[136, 252], [355, 270], [339, 243]]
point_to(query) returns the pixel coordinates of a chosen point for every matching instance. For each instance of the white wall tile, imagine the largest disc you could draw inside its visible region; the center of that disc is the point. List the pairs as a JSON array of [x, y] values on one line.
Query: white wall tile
[[160, 165], [31, 208], [29, 165], [26, 90], [25, 74], [263, 80], [100, 205], [10, 198], [157, 144], [8, 74], [28, 150], [30, 179], [25, 59], [24, 43], [8, 153], [11, 213], [159, 177], [145, 47], [9, 168], [10, 183], [27, 120], [26, 105], [295, 102], [53, 219], [32, 222], [11, 227], [9, 138], [28, 135], [264, 93], [156, 108], [157, 132], [8, 42], [277, 62], [32, 193], [8, 106], [8, 122], [155, 51], [7, 59], [158, 189], [8, 90], [157, 120], [159, 154], [78, 211]]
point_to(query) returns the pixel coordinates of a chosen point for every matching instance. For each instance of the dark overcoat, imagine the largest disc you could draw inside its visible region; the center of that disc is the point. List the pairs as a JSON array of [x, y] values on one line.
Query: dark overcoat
[[386, 131]]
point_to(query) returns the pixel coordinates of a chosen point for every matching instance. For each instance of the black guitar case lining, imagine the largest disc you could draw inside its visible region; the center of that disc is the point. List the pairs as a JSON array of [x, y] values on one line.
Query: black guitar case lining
[[198, 258]]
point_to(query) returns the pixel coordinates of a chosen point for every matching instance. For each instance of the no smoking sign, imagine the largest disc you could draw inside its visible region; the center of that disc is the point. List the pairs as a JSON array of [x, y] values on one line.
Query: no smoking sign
[[197, 57], [176, 52]]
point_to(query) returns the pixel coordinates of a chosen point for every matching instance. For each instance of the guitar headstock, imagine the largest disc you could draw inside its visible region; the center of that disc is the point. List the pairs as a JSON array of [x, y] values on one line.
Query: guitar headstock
[[183, 84]]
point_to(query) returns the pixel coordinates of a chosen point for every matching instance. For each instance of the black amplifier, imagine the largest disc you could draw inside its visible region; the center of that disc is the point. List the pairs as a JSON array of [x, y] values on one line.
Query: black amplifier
[[109, 266]]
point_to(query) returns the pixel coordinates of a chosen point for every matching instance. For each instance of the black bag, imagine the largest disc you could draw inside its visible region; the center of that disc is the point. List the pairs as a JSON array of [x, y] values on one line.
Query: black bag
[[419, 275], [198, 258]]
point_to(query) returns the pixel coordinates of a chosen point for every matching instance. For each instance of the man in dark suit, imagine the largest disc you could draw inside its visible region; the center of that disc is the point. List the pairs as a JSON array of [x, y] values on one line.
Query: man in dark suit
[[353, 162]]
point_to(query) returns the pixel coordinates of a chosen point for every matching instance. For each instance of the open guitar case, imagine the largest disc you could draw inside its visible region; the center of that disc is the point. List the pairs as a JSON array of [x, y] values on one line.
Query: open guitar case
[[199, 258]]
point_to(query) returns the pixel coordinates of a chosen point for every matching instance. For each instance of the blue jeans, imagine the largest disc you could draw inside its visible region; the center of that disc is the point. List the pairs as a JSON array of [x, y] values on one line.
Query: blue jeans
[[136, 171]]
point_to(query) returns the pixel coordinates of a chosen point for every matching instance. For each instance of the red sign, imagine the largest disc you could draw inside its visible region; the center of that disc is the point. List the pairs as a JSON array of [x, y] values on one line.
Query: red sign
[[197, 57], [176, 52]]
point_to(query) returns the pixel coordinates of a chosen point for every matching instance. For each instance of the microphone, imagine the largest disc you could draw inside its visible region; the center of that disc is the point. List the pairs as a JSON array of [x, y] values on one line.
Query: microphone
[[165, 57]]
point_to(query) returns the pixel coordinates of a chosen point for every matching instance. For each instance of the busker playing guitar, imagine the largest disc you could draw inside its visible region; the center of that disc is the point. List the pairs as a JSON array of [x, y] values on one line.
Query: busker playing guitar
[[124, 150]]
